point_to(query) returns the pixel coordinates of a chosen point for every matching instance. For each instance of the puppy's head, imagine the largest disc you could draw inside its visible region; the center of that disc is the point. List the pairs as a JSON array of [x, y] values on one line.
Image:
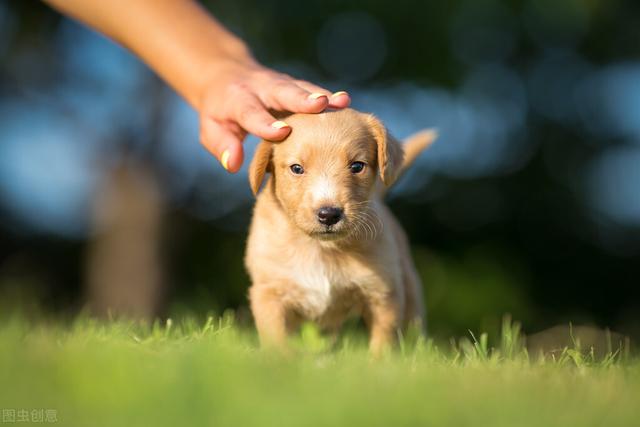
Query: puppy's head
[[324, 173]]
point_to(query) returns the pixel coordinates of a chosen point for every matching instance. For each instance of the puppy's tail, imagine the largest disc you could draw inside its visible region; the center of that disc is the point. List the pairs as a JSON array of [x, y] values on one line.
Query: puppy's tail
[[412, 147], [416, 144]]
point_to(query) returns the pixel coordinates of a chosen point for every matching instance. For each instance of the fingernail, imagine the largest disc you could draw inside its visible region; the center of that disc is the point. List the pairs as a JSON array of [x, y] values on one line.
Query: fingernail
[[340, 92], [224, 159], [279, 124], [315, 95]]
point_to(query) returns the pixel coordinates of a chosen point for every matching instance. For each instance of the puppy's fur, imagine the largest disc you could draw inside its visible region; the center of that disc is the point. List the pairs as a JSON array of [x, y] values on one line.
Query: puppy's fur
[[361, 265]]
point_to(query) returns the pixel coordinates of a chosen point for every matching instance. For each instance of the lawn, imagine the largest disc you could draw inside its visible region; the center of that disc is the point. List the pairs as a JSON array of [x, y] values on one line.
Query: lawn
[[185, 372]]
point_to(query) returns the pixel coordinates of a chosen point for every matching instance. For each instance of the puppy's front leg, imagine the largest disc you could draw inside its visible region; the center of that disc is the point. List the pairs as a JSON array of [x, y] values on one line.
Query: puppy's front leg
[[270, 316], [382, 317]]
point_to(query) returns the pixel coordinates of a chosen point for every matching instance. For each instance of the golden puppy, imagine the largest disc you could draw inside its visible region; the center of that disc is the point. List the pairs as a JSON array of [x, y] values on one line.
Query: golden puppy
[[322, 245]]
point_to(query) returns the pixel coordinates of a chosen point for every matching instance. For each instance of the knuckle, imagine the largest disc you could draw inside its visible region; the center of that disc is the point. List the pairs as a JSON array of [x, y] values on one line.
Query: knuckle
[[282, 85], [248, 112], [275, 75], [237, 88]]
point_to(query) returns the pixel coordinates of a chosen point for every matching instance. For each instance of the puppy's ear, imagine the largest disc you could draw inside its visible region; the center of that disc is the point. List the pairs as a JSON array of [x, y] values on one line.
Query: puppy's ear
[[260, 164], [390, 153]]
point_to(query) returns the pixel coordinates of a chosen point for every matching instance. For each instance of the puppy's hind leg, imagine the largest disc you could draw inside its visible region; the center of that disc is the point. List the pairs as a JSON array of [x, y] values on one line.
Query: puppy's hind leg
[[414, 311], [381, 315]]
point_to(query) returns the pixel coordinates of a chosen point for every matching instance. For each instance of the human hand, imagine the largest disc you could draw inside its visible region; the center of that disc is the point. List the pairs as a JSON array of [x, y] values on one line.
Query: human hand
[[239, 99], [209, 67]]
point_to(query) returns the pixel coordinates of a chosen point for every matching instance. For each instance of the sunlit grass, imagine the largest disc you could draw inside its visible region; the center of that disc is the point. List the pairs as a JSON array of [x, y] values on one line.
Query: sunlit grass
[[211, 372]]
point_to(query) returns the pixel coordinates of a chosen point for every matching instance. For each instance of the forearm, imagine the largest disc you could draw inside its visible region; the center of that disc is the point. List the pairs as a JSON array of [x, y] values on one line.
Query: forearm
[[176, 38]]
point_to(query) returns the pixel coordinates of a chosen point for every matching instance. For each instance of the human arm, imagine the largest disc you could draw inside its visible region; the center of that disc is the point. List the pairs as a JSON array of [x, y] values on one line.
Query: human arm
[[208, 66]]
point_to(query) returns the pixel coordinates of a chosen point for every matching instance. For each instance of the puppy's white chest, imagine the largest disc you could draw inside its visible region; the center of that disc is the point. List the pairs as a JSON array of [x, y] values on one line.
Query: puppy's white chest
[[319, 282]]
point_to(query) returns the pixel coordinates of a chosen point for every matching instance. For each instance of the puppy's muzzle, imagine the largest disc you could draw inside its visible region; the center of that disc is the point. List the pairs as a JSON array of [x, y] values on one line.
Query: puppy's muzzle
[[329, 215]]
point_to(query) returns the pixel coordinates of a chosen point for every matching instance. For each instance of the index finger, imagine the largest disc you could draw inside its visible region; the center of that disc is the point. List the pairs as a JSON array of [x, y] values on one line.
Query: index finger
[[253, 116]]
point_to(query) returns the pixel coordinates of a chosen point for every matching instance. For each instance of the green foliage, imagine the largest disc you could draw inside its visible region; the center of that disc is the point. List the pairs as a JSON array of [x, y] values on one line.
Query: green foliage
[[211, 372], [470, 288]]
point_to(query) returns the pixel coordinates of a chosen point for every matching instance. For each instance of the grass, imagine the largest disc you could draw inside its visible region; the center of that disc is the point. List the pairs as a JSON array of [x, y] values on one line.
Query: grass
[[212, 373]]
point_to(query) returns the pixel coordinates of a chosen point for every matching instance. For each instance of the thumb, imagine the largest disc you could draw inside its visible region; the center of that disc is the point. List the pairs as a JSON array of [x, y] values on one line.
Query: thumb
[[224, 144]]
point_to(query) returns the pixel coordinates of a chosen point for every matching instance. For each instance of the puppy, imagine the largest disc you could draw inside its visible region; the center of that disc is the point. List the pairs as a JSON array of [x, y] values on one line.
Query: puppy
[[322, 245]]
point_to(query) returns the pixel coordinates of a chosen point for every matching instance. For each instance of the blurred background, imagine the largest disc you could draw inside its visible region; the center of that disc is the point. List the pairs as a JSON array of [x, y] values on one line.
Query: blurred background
[[528, 204]]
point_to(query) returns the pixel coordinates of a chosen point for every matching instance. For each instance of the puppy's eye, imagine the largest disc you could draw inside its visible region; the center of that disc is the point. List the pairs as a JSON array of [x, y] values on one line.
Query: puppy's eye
[[356, 167], [297, 169]]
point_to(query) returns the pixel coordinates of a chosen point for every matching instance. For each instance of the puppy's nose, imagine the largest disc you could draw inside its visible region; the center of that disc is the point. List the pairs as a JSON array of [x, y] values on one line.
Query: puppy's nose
[[328, 215]]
